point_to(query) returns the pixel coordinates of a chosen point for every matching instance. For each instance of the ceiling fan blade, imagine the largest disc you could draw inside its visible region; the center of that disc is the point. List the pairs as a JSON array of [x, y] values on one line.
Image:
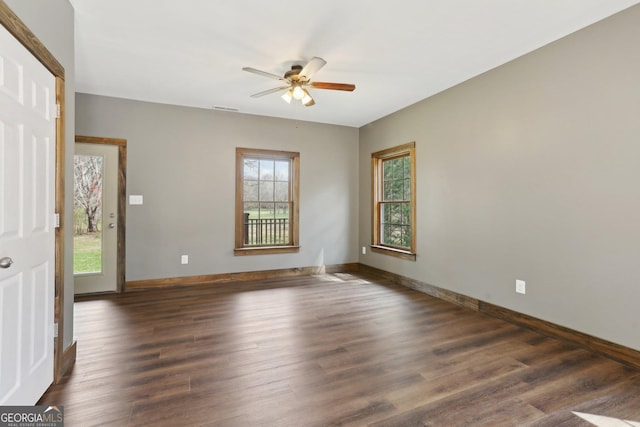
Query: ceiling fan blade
[[264, 73], [333, 86], [312, 67], [267, 92]]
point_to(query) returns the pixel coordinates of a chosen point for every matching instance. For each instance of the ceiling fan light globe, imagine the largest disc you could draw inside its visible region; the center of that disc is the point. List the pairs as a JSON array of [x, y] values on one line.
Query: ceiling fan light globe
[[307, 99], [287, 96], [298, 93]]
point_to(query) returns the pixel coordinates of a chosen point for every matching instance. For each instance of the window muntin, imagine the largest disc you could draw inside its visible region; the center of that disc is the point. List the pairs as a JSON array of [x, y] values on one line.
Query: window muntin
[[394, 200], [266, 204]]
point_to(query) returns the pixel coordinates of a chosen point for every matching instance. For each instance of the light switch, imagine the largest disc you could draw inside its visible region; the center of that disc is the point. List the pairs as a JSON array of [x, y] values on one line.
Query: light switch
[[135, 200]]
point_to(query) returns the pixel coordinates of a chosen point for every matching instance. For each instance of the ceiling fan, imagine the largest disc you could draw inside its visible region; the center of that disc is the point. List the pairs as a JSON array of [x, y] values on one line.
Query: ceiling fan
[[297, 80]]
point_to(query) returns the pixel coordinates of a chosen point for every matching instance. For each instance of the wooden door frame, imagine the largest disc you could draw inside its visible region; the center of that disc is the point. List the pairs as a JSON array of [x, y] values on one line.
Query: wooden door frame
[[64, 359], [122, 199]]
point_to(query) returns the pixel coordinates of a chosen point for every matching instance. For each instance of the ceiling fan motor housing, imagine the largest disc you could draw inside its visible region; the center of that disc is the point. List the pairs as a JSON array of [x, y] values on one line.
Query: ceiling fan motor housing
[[293, 74]]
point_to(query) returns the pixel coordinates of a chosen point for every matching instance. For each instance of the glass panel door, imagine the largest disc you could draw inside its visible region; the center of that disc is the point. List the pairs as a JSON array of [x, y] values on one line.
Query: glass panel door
[[87, 214]]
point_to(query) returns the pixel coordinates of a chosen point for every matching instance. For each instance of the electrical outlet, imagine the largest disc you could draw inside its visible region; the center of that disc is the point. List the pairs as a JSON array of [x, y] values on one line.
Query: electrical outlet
[[364, 250], [521, 287], [184, 259]]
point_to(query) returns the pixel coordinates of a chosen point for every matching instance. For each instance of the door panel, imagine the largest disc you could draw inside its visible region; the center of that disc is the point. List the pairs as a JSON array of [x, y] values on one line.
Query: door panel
[[27, 233], [10, 320], [42, 175], [40, 312], [11, 180]]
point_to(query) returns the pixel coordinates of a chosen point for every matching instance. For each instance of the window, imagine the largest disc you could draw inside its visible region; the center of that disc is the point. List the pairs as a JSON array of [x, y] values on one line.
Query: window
[[394, 207], [266, 201]]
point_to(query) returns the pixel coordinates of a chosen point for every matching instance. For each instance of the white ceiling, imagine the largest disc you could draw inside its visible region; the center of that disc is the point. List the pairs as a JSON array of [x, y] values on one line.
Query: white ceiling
[[191, 52]]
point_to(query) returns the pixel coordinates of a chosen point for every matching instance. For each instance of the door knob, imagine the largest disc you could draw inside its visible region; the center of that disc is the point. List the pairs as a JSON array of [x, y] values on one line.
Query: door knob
[[112, 225], [5, 262]]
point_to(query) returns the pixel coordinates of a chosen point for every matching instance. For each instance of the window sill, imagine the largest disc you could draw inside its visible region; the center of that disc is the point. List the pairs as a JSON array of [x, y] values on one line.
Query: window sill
[[264, 250], [398, 253]]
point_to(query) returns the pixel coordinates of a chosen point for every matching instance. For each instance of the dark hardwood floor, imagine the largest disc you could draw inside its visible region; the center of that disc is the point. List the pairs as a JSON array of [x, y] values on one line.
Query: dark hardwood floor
[[329, 350]]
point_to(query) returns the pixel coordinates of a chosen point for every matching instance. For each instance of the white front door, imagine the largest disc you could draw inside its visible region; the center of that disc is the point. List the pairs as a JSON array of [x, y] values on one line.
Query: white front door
[[95, 242], [27, 224]]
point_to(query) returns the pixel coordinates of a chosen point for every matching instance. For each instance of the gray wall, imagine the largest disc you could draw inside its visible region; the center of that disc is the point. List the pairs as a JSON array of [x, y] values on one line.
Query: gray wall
[[52, 22], [182, 160], [531, 171]]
